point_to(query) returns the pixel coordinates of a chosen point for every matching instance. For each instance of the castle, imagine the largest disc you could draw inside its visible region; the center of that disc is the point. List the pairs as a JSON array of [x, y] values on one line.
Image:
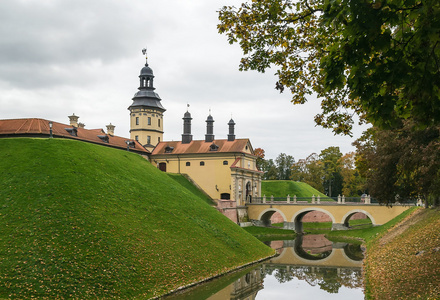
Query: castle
[[225, 169]]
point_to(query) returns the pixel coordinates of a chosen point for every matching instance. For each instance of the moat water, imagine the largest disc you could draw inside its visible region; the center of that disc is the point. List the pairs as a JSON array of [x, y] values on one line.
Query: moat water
[[309, 267]]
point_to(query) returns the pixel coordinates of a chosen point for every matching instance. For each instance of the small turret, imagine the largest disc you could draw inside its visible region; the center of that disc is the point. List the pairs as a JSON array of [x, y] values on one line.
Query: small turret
[[110, 129], [231, 135], [209, 137], [186, 136], [73, 120]]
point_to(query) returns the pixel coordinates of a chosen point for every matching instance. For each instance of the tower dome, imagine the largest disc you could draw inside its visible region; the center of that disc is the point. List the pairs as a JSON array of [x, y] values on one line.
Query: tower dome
[[146, 111]]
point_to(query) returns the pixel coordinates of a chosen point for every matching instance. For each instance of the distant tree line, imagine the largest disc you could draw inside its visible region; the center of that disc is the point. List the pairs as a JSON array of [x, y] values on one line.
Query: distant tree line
[[330, 172], [389, 164]]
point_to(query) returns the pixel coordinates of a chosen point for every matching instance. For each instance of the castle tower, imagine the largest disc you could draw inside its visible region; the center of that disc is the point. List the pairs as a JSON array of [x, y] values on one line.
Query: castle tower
[[146, 111]]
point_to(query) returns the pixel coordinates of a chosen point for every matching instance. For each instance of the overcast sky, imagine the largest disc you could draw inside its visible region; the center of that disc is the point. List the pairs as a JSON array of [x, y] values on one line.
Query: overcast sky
[[84, 57]]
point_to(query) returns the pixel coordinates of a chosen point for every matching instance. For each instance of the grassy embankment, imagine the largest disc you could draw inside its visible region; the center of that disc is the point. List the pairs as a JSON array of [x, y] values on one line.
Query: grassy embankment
[[85, 221], [403, 256], [282, 188]]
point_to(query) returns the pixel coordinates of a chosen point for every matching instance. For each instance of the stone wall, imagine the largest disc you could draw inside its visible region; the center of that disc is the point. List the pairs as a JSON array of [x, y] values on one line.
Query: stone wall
[[228, 208]]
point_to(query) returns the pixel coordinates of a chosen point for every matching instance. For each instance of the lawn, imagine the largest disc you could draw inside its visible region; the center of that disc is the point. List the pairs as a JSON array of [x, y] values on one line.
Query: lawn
[[282, 188], [83, 221]]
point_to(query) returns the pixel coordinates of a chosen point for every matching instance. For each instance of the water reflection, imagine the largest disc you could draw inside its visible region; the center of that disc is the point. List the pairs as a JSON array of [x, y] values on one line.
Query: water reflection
[[308, 267]]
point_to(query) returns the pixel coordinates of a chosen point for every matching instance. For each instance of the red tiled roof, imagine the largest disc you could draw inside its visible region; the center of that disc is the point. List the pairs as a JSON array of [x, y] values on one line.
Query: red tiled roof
[[235, 166], [200, 146], [35, 127]]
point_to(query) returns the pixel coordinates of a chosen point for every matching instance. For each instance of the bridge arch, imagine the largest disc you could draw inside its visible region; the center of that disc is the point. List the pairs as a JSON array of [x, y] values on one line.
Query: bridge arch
[[266, 214], [297, 217], [348, 215]]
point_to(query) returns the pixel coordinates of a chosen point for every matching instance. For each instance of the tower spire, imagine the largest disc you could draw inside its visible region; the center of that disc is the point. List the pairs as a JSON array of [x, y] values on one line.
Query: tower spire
[[146, 111]]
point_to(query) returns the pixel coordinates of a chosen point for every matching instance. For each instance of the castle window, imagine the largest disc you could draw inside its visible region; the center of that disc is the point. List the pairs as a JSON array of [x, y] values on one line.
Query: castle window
[[136, 138], [225, 162], [72, 131], [158, 122], [169, 149], [158, 139], [188, 164], [148, 140], [137, 120], [213, 147], [149, 120], [225, 196], [202, 163], [103, 138]]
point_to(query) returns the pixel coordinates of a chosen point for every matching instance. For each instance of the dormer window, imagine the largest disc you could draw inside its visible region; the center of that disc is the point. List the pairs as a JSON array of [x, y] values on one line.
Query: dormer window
[[213, 147], [130, 144], [169, 149], [73, 131], [103, 138]]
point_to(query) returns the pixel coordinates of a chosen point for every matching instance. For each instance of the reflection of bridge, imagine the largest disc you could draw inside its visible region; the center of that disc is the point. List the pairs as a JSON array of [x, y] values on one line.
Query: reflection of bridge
[[340, 213], [292, 255]]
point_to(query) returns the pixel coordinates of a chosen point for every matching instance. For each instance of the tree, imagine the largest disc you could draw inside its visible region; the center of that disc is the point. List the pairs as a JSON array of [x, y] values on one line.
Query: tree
[[330, 157], [353, 182], [284, 162], [315, 172], [260, 154], [270, 170], [402, 164], [379, 59]]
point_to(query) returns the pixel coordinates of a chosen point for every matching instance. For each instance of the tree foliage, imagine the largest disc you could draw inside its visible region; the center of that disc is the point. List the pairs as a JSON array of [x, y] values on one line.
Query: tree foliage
[[401, 164], [333, 180], [379, 59], [309, 170], [353, 182], [260, 154], [284, 162]]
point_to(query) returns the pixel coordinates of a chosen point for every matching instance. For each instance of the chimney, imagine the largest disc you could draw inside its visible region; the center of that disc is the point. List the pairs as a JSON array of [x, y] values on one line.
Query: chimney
[[231, 135], [73, 120], [81, 125], [186, 136], [110, 129], [209, 136]]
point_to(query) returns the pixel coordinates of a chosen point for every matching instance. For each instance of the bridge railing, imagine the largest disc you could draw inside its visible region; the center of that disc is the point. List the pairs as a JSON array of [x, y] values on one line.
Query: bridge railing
[[319, 200]]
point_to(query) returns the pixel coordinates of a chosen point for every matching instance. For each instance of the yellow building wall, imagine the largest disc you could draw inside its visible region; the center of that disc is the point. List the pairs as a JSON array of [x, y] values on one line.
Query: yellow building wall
[[143, 129], [213, 177]]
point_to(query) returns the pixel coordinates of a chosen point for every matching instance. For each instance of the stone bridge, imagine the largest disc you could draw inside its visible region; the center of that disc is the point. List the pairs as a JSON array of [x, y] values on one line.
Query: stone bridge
[[340, 213]]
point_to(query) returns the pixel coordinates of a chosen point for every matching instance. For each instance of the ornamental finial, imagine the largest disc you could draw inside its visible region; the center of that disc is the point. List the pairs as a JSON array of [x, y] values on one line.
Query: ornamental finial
[[144, 52]]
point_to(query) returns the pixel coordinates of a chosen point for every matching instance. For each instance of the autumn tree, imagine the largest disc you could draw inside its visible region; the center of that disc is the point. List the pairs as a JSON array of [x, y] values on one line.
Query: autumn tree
[[260, 154], [403, 164], [309, 170], [379, 59]]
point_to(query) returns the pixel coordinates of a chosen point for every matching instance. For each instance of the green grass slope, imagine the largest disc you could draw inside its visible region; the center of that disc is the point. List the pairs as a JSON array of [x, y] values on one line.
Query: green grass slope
[[282, 188], [85, 221]]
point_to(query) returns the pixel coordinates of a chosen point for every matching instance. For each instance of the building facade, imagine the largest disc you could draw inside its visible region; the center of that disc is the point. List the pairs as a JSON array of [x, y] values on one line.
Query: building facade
[[223, 168]]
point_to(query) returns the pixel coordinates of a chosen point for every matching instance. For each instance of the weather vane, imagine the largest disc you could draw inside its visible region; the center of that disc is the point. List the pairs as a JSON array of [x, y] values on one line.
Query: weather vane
[[144, 51]]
